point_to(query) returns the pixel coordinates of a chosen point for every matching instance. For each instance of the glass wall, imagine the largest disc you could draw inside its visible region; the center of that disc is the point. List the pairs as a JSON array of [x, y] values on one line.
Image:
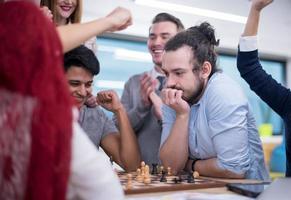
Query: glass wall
[[120, 59]]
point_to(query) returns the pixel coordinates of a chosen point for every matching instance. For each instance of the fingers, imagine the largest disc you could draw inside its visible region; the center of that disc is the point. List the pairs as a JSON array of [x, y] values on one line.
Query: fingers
[[120, 18], [124, 26], [107, 96], [260, 4], [147, 83], [171, 96], [104, 97], [110, 101], [47, 12], [146, 88], [91, 101], [166, 96]]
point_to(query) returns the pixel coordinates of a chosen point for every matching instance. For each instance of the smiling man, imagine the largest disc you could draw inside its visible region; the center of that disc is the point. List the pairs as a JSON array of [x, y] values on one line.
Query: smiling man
[[141, 92], [81, 65], [207, 123]]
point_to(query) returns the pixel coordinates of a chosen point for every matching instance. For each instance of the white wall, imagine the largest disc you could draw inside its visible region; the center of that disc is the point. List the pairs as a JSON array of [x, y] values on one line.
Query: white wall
[[274, 32]]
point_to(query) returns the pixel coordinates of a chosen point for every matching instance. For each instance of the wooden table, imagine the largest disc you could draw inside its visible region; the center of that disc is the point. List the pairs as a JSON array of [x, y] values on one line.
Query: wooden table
[[218, 190]]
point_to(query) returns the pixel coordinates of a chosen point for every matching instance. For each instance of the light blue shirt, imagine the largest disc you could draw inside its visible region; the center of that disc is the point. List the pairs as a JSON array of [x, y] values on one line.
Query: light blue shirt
[[222, 126]]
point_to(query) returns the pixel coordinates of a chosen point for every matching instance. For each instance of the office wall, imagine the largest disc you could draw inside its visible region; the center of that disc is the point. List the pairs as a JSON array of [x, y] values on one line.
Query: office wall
[[275, 29]]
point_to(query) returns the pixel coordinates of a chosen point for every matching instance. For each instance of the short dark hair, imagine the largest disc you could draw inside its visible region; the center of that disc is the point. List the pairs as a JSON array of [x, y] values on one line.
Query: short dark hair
[[82, 57], [166, 17], [201, 39]]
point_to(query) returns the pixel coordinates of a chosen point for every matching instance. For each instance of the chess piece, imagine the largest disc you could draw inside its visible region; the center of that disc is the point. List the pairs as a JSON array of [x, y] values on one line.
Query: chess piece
[[147, 180], [180, 179], [142, 164], [111, 160], [146, 169], [169, 171], [129, 182], [154, 168], [139, 177], [161, 169], [163, 178], [142, 168], [195, 174], [190, 178]]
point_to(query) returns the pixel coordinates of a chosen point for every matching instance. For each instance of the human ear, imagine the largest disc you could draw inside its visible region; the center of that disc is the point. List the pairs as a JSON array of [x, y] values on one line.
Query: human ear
[[206, 70]]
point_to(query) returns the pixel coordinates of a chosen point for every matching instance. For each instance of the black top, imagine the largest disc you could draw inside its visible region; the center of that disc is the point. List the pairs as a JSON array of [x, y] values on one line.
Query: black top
[[269, 90]]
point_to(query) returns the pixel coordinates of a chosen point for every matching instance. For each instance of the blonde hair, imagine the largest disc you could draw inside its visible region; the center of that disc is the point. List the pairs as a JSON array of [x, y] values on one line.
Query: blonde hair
[[75, 16]]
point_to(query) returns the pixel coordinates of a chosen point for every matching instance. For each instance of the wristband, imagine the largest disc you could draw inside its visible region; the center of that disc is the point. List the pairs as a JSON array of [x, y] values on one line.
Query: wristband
[[193, 163]]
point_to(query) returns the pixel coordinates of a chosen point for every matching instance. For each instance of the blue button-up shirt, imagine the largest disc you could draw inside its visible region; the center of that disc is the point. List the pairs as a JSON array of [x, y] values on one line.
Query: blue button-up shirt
[[222, 126]]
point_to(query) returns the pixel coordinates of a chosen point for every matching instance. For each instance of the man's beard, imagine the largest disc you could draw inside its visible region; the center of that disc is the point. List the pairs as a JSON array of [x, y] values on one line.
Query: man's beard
[[157, 63], [194, 98]]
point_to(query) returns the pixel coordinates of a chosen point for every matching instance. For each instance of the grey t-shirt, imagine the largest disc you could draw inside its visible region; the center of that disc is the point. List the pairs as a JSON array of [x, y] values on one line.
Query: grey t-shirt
[[96, 124]]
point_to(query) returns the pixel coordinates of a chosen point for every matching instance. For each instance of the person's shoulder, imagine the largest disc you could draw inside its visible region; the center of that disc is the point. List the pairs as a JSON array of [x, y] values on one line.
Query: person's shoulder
[[222, 83], [222, 88], [136, 77], [96, 111]]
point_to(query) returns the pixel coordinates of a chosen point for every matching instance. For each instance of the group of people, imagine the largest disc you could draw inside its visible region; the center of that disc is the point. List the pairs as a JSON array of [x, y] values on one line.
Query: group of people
[[182, 114]]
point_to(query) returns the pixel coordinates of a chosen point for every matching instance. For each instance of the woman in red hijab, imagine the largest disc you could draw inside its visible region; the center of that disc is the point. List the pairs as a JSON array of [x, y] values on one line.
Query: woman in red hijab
[[43, 153]]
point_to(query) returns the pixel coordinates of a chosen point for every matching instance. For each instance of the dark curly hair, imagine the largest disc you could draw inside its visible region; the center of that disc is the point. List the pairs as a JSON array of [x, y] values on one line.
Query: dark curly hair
[[202, 41], [82, 57]]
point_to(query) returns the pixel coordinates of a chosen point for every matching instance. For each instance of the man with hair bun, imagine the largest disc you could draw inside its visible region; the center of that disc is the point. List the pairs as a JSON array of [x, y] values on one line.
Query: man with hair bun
[[207, 123]]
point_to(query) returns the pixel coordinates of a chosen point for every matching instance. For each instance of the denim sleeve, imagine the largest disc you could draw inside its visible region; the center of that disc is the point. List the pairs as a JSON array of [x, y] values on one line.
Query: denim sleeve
[[169, 117], [228, 126]]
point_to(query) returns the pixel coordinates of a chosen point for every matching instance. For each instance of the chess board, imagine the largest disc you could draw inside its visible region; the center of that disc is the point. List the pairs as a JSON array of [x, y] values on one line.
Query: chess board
[[171, 185]]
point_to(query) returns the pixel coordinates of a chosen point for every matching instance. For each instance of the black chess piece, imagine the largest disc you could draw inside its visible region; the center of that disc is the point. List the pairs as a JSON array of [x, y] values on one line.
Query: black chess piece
[[175, 180], [180, 179], [154, 169], [190, 178], [163, 178], [111, 160]]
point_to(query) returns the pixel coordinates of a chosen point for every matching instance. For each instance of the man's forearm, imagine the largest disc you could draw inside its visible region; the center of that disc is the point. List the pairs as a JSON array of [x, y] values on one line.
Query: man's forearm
[[210, 168], [129, 150], [174, 152]]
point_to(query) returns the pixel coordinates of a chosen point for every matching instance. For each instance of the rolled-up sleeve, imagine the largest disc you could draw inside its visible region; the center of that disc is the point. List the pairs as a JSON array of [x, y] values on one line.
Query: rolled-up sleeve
[[249, 43], [169, 117], [228, 127]]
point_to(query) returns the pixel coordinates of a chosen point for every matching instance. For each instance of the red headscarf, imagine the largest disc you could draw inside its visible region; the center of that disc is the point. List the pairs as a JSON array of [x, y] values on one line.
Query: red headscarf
[[35, 107]]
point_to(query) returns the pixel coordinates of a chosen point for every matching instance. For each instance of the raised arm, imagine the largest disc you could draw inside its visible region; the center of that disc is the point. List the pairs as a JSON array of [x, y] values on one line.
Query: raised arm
[[126, 150], [73, 35], [249, 66], [251, 27]]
